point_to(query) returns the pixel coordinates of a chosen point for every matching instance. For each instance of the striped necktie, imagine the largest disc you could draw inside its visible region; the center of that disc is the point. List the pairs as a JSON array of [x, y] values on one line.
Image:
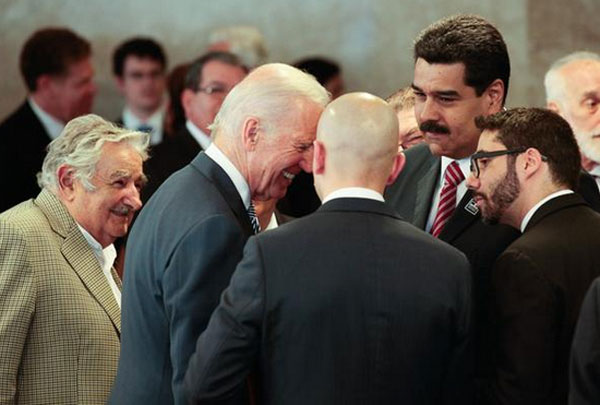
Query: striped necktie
[[253, 218], [452, 178]]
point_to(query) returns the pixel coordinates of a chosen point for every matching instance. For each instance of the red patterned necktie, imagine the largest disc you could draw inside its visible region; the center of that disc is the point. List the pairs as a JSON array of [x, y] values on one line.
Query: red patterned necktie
[[452, 178]]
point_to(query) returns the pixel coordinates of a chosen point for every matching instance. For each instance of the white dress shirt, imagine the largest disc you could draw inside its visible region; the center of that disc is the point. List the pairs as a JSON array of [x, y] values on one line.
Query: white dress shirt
[[106, 257], [354, 192], [240, 183], [52, 126], [203, 140], [533, 210], [595, 173], [461, 189], [156, 121]]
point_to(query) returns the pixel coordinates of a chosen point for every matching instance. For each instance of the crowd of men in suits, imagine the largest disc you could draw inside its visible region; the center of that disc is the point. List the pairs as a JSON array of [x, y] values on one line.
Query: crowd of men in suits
[[453, 272]]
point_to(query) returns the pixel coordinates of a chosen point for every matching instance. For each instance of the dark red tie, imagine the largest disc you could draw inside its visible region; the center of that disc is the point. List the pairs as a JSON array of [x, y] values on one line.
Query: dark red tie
[[452, 178]]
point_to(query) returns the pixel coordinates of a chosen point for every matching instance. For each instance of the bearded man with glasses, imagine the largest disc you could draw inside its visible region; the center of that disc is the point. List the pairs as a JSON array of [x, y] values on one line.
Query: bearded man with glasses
[[523, 175]]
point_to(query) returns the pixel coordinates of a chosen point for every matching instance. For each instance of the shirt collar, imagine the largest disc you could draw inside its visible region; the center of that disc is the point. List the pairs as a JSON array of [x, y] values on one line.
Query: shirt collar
[[533, 210], [354, 192], [241, 185], [156, 121], [464, 164], [203, 140], [52, 126], [106, 256]]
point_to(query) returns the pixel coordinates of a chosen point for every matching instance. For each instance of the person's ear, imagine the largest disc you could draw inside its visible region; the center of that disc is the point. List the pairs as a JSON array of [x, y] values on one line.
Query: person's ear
[[554, 107], [120, 83], [532, 162], [66, 182], [187, 99], [397, 167], [318, 157], [494, 95], [250, 133]]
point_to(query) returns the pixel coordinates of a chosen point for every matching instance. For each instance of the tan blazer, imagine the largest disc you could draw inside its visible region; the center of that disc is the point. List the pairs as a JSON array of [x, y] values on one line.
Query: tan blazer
[[59, 321]]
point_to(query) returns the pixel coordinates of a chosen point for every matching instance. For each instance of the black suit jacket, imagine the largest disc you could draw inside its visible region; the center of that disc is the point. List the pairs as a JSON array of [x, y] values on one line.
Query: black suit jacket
[[23, 141], [584, 387], [412, 195], [344, 306], [181, 253], [172, 154], [539, 283]]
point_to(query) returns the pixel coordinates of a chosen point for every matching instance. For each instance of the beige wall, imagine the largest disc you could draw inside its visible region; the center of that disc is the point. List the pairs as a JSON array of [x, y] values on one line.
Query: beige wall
[[372, 39]]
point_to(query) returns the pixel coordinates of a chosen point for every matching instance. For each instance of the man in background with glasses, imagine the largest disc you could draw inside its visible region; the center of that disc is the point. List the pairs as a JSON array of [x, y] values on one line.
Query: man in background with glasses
[[208, 80], [523, 175]]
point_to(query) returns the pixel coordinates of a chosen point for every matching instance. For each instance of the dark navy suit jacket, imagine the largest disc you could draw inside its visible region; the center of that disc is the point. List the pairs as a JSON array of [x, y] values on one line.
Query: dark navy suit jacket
[[349, 305], [181, 253]]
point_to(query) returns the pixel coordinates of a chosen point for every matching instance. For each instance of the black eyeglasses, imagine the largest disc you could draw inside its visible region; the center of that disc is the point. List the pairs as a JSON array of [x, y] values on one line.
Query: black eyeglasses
[[488, 155]]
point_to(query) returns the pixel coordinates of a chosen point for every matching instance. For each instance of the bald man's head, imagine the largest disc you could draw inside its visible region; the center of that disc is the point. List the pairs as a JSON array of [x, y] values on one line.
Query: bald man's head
[[357, 142]]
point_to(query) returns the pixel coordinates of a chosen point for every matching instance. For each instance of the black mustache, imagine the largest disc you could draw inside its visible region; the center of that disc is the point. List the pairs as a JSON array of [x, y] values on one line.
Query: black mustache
[[432, 126]]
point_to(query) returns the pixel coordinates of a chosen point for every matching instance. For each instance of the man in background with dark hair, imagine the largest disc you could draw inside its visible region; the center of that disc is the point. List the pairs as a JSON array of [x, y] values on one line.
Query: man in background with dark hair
[[139, 66], [208, 80], [56, 67], [523, 175]]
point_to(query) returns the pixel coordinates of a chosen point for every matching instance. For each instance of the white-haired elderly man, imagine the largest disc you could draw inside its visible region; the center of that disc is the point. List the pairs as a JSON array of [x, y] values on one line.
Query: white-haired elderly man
[[573, 91], [188, 239], [59, 294]]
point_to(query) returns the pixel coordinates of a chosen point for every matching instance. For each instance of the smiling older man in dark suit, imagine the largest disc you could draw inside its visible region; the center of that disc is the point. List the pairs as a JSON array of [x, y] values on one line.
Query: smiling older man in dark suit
[[187, 241]]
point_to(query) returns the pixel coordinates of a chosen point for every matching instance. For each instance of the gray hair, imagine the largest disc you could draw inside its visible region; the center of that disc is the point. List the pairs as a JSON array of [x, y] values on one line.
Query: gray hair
[[267, 93], [402, 99], [80, 145], [554, 82], [245, 41]]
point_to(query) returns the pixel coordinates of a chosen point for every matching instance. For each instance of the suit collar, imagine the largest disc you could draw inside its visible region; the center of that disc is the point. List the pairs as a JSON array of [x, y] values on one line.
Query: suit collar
[[555, 205], [358, 205], [464, 216], [223, 183], [424, 197], [79, 254]]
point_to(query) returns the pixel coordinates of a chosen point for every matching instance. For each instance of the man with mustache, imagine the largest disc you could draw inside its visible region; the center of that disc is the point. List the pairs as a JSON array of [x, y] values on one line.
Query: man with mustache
[[573, 90], [461, 71], [60, 298], [523, 175]]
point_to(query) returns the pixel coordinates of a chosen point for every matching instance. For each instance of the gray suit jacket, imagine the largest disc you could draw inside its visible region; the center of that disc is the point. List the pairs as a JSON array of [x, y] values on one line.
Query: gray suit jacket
[[59, 320], [181, 253]]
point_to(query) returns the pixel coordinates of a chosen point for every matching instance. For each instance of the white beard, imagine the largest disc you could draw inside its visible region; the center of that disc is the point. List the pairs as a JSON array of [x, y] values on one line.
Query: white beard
[[589, 144]]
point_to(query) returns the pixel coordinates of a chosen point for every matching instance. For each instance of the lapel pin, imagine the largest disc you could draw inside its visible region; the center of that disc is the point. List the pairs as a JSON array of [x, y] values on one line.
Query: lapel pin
[[471, 207]]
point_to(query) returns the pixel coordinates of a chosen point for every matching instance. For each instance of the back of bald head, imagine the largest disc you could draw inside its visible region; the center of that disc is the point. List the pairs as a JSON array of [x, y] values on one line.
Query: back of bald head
[[360, 134]]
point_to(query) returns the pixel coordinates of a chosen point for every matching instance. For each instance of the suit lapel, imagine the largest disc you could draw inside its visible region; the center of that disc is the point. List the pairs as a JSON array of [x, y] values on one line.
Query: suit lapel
[[222, 181], [462, 218], [79, 255], [425, 190]]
